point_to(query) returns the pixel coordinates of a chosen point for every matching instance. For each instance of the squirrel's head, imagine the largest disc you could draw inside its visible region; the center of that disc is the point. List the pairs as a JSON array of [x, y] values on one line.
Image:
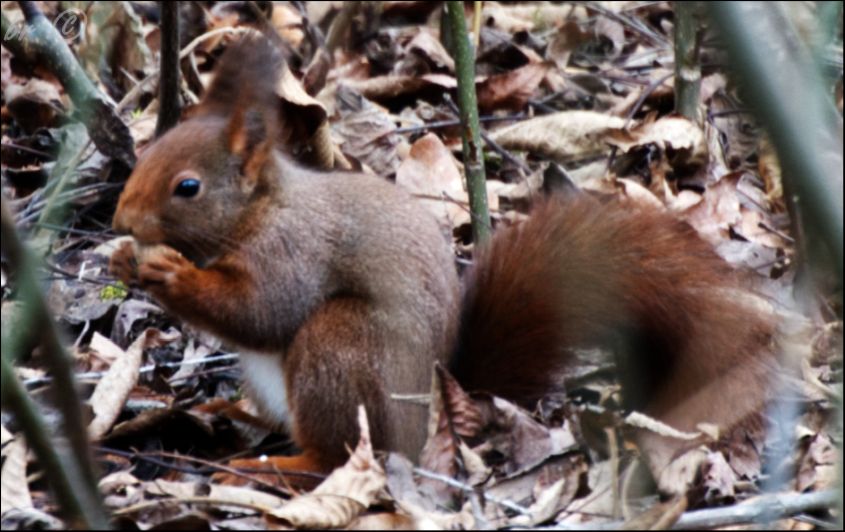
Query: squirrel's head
[[195, 187]]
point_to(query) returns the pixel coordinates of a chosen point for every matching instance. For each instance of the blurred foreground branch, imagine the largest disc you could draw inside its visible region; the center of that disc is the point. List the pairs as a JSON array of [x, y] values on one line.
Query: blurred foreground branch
[[70, 474]]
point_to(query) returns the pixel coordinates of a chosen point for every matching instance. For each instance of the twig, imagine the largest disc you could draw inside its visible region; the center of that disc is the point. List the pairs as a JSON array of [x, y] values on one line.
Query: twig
[[490, 142], [473, 154], [456, 122], [94, 375], [687, 70], [469, 489], [38, 41], [158, 503], [168, 87], [775, 73], [774, 506]]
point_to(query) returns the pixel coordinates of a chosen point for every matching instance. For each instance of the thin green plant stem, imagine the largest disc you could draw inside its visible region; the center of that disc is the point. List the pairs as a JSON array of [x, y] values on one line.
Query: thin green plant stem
[[687, 69], [86, 506], [473, 153]]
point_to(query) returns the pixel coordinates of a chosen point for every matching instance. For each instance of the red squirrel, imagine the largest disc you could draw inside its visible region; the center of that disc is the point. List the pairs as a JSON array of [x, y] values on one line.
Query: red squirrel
[[341, 289]]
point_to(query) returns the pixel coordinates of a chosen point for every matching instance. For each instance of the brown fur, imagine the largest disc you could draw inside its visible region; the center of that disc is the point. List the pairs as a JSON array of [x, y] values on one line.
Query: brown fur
[[347, 281], [577, 275]]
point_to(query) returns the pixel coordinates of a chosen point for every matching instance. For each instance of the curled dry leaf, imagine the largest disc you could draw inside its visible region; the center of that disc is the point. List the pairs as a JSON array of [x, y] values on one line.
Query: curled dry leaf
[[524, 441], [428, 45], [719, 478], [817, 470], [545, 506], [367, 133], [239, 497], [392, 86], [305, 122], [113, 389], [35, 104], [567, 135], [661, 516], [346, 493], [431, 171], [513, 18], [440, 453], [670, 132], [14, 494], [564, 42]]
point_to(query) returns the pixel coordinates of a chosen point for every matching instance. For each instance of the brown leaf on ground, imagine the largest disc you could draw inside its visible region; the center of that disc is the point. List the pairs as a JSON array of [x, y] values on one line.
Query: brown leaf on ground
[[426, 43], [525, 442], [510, 90], [817, 469], [392, 85], [563, 136], [35, 104], [113, 389], [565, 41], [347, 492], [431, 171], [366, 133], [15, 493], [670, 132]]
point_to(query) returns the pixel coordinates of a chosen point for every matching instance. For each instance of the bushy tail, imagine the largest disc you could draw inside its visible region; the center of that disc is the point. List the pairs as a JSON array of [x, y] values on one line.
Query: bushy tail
[[579, 274]]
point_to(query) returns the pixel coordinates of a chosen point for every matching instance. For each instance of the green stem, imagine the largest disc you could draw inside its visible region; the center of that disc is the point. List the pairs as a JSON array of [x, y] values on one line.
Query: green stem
[[687, 70], [471, 129]]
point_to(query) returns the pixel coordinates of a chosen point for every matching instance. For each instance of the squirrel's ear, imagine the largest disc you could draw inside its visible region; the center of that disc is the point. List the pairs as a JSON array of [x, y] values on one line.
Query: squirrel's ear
[[248, 138]]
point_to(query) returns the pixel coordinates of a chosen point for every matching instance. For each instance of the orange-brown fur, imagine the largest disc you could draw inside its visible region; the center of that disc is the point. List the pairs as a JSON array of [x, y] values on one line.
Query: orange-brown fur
[[347, 281], [579, 274]]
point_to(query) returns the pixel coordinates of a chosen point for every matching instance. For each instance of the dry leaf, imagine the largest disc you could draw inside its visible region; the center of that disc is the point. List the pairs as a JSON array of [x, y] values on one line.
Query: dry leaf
[[35, 104], [15, 487], [366, 133], [513, 18], [564, 42], [105, 349], [669, 132], [431, 171], [562, 136], [510, 90], [524, 441], [236, 495], [393, 85], [428, 45], [113, 389], [347, 492], [544, 508], [661, 516]]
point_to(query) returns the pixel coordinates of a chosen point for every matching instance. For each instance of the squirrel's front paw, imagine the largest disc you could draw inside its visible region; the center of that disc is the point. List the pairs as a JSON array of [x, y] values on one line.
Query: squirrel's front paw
[[163, 271], [123, 264]]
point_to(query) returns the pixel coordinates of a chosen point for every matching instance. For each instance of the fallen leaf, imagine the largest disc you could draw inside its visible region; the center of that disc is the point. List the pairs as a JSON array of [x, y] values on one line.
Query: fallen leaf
[[563, 136], [347, 492], [113, 389], [14, 494], [565, 41], [430, 170], [367, 133], [510, 90]]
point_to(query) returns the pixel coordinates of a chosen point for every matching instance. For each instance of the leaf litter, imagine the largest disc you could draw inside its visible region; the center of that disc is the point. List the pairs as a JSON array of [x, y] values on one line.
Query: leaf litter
[[583, 85]]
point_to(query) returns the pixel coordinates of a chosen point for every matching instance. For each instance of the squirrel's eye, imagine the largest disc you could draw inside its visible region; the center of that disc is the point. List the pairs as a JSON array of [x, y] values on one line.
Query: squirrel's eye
[[187, 188]]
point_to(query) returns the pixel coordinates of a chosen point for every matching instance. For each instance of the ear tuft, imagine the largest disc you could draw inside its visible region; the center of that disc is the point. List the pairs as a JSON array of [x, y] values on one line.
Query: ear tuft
[[245, 131], [249, 139]]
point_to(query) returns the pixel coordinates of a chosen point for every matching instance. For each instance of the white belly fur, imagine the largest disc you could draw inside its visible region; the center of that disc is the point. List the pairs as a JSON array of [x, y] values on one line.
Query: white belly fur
[[265, 383]]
